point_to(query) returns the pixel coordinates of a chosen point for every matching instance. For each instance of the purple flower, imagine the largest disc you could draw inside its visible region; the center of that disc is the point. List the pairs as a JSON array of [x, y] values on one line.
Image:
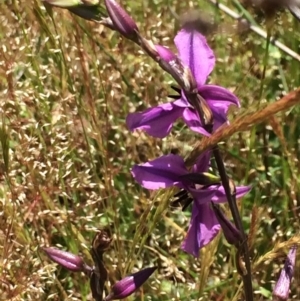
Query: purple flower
[[129, 284], [170, 170], [195, 53], [282, 286]]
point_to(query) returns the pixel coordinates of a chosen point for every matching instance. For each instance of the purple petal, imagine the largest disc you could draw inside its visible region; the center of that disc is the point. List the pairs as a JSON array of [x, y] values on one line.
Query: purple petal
[[202, 196], [196, 54], [129, 284], [219, 100], [203, 229], [218, 95], [220, 196], [191, 119], [157, 121], [202, 163], [160, 173]]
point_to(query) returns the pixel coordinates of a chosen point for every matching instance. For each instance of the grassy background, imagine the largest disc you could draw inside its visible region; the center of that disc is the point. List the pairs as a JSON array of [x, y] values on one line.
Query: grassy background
[[66, 86]]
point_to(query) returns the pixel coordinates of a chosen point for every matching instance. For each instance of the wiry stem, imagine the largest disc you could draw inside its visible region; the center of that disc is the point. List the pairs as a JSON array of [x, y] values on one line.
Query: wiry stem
[[243, 249]]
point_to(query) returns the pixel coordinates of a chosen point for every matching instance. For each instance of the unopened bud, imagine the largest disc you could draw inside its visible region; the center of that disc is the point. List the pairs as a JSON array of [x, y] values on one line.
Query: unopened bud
[[129, 284], [67, 260], [231, 233], [123, 23]]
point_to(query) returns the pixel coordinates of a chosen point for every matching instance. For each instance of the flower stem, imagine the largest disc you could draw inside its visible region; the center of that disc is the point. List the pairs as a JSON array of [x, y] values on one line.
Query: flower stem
[[243, 248]]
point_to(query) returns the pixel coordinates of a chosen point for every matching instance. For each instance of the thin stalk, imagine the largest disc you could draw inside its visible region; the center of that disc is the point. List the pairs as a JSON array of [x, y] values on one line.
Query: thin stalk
[[247, 279], [265, 153]]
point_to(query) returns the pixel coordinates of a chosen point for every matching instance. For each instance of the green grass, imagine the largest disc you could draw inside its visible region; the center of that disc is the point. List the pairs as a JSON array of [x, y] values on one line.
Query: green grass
[[66, 87]]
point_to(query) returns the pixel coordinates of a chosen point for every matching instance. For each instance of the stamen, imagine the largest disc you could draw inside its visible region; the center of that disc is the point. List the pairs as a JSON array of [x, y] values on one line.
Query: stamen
[[174, 96], [177, 89], [180, 193], [187, 202], [183, 199]]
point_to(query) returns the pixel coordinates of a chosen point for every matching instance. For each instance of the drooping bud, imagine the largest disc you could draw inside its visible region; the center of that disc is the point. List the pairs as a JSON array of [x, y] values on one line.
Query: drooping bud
[[282, 287], [123, 23], [129, 284], [231, 233], [67, 260]]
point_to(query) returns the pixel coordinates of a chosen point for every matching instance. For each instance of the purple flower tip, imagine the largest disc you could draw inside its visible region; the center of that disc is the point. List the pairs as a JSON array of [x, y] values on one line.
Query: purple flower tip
[[121, 20], [68, 260], [129, 284], [282, 287], [165, 53]]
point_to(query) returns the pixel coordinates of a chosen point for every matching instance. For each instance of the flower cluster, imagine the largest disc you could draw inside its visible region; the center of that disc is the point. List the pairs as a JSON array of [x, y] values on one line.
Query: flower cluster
[[195, 54], [196, 102]]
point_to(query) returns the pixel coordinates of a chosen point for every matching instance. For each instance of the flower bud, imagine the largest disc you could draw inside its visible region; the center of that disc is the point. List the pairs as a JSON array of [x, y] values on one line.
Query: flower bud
[[231, 233], [121, 20], [67, 260], [165, 53], [282, 287], [71, 3], [129, 284]]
